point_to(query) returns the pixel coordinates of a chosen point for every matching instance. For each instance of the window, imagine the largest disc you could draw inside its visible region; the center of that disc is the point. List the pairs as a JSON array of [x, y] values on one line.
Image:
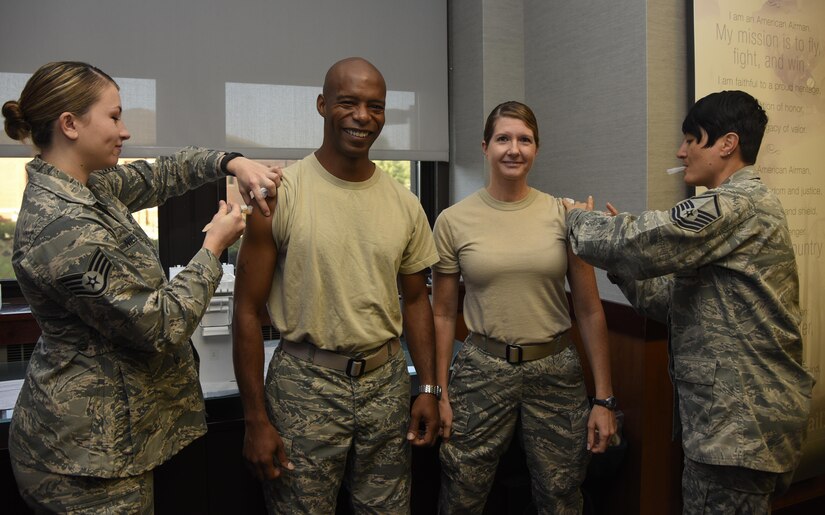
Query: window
[[174, 95], [13, 172], [260, 99], [398, 170], [147, 218]]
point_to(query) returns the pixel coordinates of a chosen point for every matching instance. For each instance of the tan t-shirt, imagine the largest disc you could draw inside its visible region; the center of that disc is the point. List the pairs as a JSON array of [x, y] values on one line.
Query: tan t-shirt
[[513, 258], [341, 246]]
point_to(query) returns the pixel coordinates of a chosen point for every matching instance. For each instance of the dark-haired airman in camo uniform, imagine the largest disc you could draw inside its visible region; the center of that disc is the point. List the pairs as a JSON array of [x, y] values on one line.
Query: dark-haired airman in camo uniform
[[719, 268]]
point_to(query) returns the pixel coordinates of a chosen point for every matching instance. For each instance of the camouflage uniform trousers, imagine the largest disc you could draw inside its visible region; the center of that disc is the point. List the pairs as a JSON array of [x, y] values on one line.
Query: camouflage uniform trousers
[[488, 396], [46, 492], [709, 489], [336, 428]]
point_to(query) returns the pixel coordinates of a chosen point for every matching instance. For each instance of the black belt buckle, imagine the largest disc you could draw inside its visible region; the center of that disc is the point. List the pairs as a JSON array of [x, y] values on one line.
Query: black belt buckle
[[518, 353], [355, 367]]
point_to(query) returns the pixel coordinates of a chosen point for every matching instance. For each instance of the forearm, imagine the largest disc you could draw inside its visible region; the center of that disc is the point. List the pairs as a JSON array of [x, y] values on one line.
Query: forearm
[[248, 357], [601, 424], [418, 321], [147, 184], [593, 330], [445, 314], [444, 338]]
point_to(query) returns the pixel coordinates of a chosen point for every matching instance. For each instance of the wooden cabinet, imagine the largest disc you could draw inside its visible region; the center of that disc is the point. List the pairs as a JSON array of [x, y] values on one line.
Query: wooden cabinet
[[18, 331]]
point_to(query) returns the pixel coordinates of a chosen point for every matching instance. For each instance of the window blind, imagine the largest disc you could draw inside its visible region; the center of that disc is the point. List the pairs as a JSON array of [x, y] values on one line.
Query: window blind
[[240, 74]]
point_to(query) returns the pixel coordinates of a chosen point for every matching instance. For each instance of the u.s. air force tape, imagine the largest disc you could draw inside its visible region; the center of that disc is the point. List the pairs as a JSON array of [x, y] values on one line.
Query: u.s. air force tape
[[696, 213], [94, 281]]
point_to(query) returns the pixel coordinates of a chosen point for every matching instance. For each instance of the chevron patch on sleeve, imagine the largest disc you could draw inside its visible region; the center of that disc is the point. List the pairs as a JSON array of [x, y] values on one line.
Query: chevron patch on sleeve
[[696, 213], [94, 281]]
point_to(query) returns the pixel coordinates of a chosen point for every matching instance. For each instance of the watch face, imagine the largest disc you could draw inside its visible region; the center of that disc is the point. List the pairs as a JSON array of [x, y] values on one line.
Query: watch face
[[609, 403]]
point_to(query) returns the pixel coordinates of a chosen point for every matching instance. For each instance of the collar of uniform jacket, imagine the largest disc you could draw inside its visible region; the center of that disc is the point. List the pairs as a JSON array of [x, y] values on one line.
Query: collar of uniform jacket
[[46, 176], [743, 174]]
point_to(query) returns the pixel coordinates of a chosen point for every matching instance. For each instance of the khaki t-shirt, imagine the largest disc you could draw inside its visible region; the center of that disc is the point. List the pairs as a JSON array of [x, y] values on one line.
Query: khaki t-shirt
[[341, 246], [513, 258]]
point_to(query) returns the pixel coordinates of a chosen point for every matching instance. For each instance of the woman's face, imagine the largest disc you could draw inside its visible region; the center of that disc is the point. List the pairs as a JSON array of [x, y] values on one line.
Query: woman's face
[[511, 150], [702, 165], [101, 131]]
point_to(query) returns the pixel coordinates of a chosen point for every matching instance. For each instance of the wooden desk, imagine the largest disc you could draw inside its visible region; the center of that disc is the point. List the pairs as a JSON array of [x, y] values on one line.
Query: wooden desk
[[17, 326]]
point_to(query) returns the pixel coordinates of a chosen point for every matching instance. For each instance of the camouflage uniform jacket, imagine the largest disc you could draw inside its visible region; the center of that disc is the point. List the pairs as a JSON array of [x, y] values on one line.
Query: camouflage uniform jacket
[[112, 387], [720, 269]]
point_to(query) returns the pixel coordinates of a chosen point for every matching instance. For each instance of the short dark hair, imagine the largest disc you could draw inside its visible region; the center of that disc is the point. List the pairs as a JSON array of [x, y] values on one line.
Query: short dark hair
[[728, 111]]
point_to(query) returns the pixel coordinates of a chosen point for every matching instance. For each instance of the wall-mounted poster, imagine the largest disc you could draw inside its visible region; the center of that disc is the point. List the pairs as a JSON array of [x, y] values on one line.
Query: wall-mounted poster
[[775, 50]]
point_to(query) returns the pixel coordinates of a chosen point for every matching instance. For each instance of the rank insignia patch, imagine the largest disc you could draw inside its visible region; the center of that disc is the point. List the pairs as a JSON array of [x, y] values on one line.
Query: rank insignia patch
[[694, 214], [94, 281]]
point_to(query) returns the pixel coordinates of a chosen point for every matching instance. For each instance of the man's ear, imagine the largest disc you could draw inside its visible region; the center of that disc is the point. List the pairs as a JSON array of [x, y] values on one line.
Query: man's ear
[[67, 125], [320, 105], [730, 143]]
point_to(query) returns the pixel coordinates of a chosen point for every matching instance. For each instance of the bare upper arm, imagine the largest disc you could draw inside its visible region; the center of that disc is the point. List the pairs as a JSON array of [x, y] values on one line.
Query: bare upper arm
[[414, 286], [583, 286], [256, 261]]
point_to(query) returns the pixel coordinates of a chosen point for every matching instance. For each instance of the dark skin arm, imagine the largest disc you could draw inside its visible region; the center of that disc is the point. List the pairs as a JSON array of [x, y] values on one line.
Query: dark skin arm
[[262, 446], [418, 326]]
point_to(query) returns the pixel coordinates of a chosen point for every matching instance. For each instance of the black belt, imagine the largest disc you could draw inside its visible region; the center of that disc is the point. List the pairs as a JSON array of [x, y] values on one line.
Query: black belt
[[353, 367], [522, 352]]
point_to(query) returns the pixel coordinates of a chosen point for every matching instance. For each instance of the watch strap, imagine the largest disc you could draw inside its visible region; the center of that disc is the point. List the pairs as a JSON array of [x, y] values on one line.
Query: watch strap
[[433, 389], [610, 403], [225, 162]]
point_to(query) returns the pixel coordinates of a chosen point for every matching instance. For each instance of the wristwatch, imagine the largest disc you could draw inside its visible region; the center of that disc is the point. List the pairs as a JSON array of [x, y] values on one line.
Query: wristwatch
[[431, 388], [225, 162], [609, 403]]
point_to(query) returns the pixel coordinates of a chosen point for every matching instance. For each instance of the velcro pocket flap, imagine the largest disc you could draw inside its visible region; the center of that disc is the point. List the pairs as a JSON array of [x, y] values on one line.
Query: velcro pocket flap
[[695, 370]]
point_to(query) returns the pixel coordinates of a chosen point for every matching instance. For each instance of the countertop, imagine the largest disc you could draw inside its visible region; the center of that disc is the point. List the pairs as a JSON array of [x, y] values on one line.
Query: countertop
[[12, 374]]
